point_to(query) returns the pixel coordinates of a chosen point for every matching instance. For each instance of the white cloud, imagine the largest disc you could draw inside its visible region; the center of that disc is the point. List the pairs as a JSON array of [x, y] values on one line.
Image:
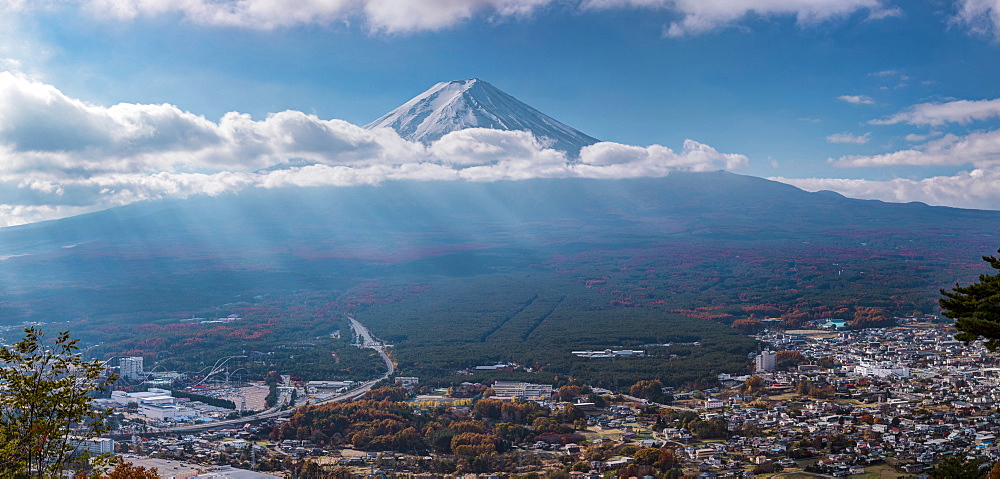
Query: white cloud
[[886, 73], [14, 215], [405, 16], [979, 16], [857, 99], [973, 189], [700, 16], [483, 146], [256, 14], [614, 160], [848, 138], [937, 114], [387, 16], [913, 137], [980, 149], [890, 12], [408, 15], [61, 156]]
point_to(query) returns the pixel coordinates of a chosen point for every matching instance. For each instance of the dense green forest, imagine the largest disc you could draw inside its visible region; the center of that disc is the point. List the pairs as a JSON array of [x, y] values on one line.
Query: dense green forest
[[536, 321], [713, 293], [458, 275], [302, 335], [452, 312]]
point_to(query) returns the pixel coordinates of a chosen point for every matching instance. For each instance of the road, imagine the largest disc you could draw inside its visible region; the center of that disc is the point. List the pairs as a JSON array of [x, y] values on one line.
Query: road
[[369, 342], [663, 406]]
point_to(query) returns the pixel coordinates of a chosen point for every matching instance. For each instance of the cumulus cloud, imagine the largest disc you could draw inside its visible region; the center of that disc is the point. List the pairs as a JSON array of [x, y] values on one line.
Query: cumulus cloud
[[409, 16], [62, 156], [978, 189], [14, 215], [483, 146], [857, 99], [405, 16], [937, 114], [614, 160], [981, 149], [700, 16], [389, 16], [848, 138], [979, 16]]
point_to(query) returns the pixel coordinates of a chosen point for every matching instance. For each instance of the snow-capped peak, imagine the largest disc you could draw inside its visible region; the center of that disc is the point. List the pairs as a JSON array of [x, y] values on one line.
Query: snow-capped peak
[[474, 103]]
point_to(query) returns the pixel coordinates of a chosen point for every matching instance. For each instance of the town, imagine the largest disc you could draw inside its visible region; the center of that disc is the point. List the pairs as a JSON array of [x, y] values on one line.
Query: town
[[880, 402]]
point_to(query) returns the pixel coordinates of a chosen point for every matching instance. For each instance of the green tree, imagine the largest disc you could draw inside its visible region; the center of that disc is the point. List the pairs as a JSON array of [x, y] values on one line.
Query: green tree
[[45, 408], [976, 308]]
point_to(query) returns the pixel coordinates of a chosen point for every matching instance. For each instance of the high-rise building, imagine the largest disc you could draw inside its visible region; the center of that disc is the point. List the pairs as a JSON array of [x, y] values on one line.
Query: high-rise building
[[93, 446], [130, 367], [766, 361]]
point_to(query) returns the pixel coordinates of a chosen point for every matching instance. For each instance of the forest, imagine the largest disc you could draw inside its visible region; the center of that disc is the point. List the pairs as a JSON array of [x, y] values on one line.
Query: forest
[[459, 275], [303, 336], [447, 314]]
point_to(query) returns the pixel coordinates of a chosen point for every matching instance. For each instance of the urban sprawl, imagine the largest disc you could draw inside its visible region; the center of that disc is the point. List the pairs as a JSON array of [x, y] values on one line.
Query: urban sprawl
[[886, 402]]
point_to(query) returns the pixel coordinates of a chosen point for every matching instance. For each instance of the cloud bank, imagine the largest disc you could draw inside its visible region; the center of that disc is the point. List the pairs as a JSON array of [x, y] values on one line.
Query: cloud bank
[[407, 16], [61, 156], [979, 187], [937, 114], [971, 189]]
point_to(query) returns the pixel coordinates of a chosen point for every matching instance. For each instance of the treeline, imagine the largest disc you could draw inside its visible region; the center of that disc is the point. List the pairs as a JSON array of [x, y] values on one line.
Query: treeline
[[211, 401]]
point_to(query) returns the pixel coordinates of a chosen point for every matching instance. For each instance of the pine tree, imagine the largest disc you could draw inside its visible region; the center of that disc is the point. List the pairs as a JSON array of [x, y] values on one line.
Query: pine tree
[[976, 308]]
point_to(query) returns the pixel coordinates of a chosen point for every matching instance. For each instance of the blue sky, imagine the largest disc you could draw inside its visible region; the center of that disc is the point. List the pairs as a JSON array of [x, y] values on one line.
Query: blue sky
[[106, 102]]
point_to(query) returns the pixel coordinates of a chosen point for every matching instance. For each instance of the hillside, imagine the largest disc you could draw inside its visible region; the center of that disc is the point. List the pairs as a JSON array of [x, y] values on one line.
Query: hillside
[[509, 269]]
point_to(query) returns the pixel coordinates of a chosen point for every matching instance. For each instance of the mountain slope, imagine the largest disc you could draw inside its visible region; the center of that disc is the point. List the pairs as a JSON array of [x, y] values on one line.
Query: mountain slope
[[512, 270], [402, 221], [457, 105]]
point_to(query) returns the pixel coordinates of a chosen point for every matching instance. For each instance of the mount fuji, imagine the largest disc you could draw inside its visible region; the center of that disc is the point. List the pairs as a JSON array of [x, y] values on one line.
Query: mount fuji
[[457, 105]]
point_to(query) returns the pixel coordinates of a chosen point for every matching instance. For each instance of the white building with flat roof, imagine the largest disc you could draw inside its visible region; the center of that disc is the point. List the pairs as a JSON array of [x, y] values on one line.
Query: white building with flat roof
[[881, 370], [155, 404], [766, 361], [165, 412], [522, 390], [94, 446], [130, 367]]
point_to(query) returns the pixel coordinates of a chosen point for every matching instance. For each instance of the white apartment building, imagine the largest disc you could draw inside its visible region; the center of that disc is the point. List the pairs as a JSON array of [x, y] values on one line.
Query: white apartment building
[[130, 367]]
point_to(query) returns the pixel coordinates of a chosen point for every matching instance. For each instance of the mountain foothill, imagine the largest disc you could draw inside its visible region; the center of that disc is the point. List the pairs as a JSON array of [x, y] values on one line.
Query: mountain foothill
[[457, 274]]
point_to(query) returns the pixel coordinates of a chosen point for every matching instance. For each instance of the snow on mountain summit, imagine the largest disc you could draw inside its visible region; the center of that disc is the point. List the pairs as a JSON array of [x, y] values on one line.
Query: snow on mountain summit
[[457, 105]]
